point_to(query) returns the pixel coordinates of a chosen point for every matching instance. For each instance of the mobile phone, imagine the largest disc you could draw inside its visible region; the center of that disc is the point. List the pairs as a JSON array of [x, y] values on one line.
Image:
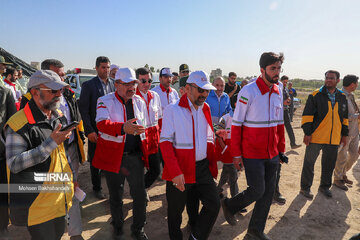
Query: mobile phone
[[71, 125]]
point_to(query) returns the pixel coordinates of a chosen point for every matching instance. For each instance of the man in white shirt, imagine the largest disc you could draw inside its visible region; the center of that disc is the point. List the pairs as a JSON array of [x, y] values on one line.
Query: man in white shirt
[[187, 146], [10, 83]]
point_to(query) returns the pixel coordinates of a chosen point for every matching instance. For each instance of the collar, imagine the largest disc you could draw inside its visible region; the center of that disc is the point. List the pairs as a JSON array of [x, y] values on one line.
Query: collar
[[164, 89], [34, 114], [264, 88], [346, 92], [102, 81], [213, 93], [10, 83], [324, 90], [140, 94]]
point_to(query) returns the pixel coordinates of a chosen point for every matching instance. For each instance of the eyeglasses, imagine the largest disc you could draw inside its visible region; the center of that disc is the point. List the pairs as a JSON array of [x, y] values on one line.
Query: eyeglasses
[[130, 84], [52, 90], [185, 71], [275, 69], [200, 90], [144, 80]]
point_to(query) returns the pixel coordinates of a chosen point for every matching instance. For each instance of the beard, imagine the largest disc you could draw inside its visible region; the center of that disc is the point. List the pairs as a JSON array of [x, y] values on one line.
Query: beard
[[271, 79], [50, 105], [200, 101]]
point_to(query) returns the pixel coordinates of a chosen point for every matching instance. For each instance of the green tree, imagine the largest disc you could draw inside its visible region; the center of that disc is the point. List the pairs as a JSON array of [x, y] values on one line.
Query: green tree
[[152, 69]]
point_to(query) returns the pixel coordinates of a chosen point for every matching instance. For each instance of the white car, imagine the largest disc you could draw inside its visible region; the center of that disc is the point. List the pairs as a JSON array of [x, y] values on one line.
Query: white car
[[76, 80]]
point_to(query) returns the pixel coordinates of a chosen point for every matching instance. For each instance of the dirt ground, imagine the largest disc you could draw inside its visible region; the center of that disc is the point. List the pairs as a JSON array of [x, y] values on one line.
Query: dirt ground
[[321, 218]]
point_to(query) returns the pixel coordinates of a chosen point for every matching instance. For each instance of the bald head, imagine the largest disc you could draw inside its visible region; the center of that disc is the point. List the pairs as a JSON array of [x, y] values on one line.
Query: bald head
[[219, 84]]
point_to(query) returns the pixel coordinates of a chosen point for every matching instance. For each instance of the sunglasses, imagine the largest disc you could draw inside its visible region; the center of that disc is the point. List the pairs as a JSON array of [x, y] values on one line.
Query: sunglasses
[[144, 80], [52, 90], [200, 90]]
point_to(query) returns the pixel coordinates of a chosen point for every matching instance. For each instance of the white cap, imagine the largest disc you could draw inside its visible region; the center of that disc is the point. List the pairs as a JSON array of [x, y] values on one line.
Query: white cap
[[201, 79], [126, 75], [113, 66]]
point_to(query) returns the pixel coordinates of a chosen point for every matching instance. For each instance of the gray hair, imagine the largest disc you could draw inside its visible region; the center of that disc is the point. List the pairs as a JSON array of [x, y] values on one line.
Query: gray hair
[[45, 65]]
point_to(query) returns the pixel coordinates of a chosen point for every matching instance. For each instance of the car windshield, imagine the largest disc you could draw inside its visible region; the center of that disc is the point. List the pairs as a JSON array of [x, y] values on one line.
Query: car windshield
[[84, 79]]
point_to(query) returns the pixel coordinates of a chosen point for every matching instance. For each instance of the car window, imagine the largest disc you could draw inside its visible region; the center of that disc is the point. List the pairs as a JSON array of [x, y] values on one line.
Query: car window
[[84, 79]]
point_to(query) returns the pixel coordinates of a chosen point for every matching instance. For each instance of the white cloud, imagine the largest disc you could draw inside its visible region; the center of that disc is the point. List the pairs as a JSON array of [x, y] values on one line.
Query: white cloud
[[274, 5]]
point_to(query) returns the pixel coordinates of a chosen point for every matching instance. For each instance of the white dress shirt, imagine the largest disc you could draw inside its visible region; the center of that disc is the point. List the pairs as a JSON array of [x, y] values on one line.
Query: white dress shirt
[[200, 127]]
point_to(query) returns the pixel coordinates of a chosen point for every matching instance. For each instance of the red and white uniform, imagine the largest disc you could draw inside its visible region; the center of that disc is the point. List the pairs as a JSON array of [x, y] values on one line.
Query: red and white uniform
[[224, 155], [154, 111], [15, 92], [182, 127], [166, 96], [258, 123], [110, 116]]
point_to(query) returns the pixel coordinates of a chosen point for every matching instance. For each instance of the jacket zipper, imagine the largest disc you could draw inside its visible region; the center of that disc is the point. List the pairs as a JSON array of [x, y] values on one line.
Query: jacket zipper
[[332, 120]]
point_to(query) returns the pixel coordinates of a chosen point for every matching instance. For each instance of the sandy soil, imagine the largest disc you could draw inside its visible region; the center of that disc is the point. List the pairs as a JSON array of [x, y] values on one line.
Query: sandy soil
[[321, 218]]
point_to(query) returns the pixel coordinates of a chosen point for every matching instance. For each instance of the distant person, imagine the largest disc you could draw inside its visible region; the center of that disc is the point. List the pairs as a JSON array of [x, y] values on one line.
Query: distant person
[[113, 69], [7, 109], [349, 153], [187, 145], [292, 94], [3, 65], [121, 149], [243, 83], [232, 89], [167, 94], [154, 111], [325, 125], [258, 117], [90, 92], [184, 72], [175, 78], [218, 101], [34, 143], [22, 81], [11, 76]]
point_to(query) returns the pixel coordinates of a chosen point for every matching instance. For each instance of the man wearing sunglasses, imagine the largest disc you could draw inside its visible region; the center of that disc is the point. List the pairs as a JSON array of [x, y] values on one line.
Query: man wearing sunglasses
[[258, 143], [154, 113], [167, 94], [122, 120], [36, 144], [187, 146]]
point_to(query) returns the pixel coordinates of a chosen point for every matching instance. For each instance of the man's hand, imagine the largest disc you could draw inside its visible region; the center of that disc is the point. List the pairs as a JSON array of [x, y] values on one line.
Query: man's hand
[[307, 140], [179, 182], [343, 140], [60, 136], [287, 102], [93, 137], [238, 162], [222, 133], [133, 129]]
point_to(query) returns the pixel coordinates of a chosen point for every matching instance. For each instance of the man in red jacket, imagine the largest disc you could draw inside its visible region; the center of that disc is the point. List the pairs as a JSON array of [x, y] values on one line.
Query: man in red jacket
[[258, 143], [187, 146]]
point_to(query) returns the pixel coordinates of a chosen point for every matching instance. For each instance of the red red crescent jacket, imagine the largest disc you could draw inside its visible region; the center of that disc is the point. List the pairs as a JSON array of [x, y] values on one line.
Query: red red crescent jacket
[[177, 141], [257, 130], [224, 155], [110, 116]]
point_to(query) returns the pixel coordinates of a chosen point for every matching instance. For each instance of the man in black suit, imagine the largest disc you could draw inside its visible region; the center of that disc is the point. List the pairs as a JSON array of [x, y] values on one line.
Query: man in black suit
[[90, 92]]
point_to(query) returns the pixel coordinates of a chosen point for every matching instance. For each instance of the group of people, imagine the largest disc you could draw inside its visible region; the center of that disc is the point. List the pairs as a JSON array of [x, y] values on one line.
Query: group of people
[[130, 127]]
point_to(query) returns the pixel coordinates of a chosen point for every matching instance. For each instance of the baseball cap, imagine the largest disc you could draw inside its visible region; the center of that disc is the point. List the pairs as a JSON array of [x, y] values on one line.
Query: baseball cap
[[201, 79], [165, 72], [2, 60], [126, 75], [113, 66], [48, 78], [184, 67]]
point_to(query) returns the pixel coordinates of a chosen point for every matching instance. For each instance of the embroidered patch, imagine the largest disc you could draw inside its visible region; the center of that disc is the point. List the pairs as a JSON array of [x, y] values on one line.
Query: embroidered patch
[[243, 100], [101, 105]]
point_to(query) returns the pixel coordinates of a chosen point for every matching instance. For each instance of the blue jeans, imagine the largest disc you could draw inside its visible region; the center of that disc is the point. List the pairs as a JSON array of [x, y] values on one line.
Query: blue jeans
[[261, 178]]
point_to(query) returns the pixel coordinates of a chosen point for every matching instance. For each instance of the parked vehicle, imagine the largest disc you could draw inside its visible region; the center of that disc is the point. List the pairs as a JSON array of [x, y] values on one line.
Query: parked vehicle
[[297, 103], [76, 79]]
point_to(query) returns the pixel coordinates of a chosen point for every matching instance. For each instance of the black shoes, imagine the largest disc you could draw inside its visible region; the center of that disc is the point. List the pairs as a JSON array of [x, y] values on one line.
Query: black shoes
[[99, 195], [229, 216], [139, 235], [295, 146], [255, 235], [278, 197], [326, 192], [340, 184], [307, 193]]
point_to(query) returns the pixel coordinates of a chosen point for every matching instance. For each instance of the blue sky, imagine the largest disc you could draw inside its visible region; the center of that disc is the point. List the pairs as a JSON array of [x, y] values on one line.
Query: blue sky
[[314, 35]]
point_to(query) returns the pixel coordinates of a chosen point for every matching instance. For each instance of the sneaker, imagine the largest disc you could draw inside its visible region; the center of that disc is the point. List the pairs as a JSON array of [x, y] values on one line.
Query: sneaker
[[307, 193], [347, 181], [278, 197], [340, 184], [229, 216], [326, 192], [295, 146]]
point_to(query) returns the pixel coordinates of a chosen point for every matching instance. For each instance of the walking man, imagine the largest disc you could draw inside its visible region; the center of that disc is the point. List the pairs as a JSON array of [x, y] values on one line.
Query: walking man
[[258, 117], [325, 125]]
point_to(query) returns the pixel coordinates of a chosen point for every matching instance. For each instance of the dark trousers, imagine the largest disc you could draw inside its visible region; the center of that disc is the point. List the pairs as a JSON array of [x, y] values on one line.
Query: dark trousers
[[229, 175], [154, 169], [50, 230], [288, 127], [328, 161], [4, 214], [95, 172], [277, 190], [132, 168], [206, 191], [260, 177]]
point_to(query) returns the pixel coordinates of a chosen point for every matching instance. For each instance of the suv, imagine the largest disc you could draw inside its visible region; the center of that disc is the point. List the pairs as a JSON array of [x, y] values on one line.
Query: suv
[[76, 79]]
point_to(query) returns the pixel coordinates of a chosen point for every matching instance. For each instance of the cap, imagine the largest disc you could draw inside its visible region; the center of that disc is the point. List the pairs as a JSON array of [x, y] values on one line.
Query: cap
[[2, 60], [113, 66], [184, 67], [165, 72], [201, 79], [48, 78], [18, 68], [126, 75]]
